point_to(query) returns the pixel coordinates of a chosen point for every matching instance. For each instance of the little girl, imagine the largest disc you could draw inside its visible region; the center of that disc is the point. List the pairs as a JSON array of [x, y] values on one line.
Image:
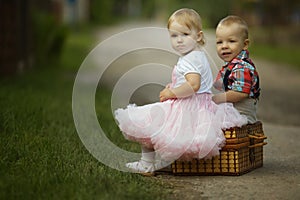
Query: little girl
[[186, 123]]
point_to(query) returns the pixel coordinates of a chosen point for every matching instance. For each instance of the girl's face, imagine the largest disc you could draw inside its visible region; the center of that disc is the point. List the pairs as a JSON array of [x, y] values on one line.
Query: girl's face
[[183, 40], [230, 41]]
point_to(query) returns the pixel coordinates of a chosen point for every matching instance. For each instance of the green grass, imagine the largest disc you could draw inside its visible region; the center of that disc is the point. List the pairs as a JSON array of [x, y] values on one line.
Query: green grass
[[42, 156], [282, 54], [276, 43], [76, 49]]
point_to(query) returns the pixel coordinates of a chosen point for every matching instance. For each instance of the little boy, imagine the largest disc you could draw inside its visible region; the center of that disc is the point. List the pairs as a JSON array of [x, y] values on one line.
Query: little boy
[[238, 78]]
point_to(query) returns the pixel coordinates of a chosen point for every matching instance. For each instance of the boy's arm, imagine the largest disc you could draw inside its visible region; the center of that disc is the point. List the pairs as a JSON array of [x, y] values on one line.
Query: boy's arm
[[229, 96]]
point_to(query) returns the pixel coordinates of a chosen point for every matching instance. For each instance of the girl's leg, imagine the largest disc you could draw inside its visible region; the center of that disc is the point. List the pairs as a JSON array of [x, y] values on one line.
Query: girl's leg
[[146, 164], [148, 155]]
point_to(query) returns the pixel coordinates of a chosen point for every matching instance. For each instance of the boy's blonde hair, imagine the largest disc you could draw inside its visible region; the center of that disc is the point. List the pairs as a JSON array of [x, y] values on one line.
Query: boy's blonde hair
[[232, 19], [189, 18]]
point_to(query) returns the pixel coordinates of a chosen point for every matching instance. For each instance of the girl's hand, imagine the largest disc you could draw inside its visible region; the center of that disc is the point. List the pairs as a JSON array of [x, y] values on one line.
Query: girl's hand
[[219, 98], [166, 94]]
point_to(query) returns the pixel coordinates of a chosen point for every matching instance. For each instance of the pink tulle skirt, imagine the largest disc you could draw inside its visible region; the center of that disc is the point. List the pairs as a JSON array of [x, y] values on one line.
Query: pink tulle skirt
[[181, 128]]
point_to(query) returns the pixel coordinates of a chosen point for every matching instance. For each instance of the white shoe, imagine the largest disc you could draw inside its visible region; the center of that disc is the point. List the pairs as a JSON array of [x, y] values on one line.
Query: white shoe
[[141, 167]]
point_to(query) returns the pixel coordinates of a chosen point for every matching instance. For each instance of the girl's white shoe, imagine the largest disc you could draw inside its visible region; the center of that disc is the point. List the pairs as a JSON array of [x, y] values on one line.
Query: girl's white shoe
[[141, 167]]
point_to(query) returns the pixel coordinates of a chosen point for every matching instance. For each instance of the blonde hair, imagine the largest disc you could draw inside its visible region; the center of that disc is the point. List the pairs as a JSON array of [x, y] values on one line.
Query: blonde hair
[[189, 18], [232, 19]]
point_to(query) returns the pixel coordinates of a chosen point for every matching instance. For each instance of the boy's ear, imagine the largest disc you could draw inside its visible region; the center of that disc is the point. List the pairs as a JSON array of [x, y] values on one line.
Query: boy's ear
[[246, 44]]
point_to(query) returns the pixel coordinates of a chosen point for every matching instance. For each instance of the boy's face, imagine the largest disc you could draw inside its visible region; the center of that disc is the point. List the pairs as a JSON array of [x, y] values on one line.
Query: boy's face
[[230, 41], [183, 39]]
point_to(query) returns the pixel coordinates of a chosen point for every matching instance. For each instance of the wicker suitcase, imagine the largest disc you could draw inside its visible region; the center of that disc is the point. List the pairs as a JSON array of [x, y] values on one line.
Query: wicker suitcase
[[242, 153]]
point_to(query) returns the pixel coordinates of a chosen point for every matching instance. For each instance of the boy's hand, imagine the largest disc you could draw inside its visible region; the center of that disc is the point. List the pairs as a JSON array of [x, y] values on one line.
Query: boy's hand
[[229, 96]]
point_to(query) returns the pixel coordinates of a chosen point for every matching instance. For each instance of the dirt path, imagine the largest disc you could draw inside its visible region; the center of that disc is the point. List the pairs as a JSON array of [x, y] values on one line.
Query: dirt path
[[279, 110], [279, 102]]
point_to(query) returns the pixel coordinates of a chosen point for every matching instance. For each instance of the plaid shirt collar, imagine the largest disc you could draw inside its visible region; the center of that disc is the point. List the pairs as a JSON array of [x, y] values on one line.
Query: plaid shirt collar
[[244, 54]]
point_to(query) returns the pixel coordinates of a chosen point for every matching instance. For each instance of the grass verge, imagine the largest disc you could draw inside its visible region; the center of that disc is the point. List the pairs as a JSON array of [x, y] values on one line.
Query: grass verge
[[42, 156], [282, 54]]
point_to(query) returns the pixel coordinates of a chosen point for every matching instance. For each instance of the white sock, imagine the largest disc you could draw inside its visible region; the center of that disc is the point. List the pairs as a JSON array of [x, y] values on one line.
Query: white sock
[[148, 156]]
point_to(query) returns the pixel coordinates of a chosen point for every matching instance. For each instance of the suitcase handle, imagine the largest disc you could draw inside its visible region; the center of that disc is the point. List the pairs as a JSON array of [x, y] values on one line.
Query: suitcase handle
[[258, 145], [257, 137]]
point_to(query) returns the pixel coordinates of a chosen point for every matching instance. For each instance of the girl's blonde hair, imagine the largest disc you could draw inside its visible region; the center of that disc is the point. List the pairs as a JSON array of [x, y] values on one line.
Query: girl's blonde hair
[[189, 18], [233, 19]]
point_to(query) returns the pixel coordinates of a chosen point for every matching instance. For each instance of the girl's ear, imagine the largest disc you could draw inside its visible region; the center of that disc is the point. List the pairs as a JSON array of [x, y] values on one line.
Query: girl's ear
[[246, 44], [200, 35]]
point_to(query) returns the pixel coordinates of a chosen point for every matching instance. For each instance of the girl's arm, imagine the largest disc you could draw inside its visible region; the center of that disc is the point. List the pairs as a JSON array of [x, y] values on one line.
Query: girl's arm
[[188, 88], [229, 96]]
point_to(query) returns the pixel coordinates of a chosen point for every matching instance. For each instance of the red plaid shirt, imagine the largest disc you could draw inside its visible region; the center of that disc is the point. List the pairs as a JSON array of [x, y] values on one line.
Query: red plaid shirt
[[242, 77]]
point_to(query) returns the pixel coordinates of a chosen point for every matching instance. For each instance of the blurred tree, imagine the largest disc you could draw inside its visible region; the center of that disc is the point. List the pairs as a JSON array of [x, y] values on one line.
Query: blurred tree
[[49, 38], [30, 34], [101, 11], [212, 11], [108, 11], [15, 37], [148, 8], [277, 13], [49, 34]]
